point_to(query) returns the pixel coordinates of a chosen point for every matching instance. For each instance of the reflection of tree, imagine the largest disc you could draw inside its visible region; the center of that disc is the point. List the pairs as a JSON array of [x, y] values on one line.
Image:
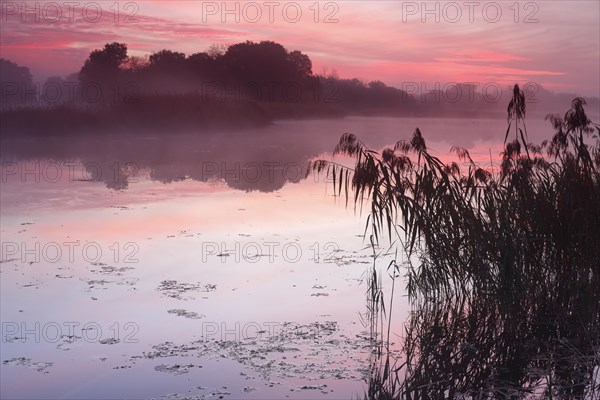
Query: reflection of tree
[[506, 290], [121, 174], [247, 163]]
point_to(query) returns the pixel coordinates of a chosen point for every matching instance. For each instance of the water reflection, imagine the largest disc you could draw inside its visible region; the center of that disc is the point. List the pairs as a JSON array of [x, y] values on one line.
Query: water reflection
[[509, 347], [454, 347], [261, 159], [241, 161]]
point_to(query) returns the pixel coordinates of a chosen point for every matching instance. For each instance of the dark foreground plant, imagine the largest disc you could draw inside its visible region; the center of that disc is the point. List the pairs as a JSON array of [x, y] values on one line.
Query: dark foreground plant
[[503, 266]]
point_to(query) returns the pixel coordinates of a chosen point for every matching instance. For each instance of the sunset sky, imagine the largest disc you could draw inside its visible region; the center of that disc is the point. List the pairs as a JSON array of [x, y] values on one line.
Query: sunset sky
[[555, 44]]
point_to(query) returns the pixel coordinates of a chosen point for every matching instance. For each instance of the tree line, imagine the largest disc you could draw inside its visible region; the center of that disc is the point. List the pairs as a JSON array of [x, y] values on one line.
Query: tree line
[[250, 72]]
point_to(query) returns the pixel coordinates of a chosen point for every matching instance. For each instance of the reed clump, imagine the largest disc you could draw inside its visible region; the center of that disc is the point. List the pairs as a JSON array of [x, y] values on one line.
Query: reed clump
[[503, 264]]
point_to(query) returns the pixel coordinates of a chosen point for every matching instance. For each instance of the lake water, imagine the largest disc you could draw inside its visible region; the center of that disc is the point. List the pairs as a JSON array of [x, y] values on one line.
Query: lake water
[[194, 266]]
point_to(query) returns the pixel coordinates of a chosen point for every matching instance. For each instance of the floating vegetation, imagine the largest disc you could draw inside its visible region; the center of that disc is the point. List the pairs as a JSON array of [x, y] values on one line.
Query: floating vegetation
[[176, 369], [187, 314], [315, 351], [67, 341], [109, 341], [110, 270], [177, 290], [41, 367]]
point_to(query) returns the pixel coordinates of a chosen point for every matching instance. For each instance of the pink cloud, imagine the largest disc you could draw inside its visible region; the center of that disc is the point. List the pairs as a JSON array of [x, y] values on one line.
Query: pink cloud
[[480, 56], [370, 40], [62, 47]]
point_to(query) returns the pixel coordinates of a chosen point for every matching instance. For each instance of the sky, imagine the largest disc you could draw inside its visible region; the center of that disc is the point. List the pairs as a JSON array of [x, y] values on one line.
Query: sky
[[552, 43]]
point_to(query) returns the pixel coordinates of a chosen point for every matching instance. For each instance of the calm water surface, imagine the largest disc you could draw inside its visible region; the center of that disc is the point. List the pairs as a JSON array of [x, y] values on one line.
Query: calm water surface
[[200, 265]]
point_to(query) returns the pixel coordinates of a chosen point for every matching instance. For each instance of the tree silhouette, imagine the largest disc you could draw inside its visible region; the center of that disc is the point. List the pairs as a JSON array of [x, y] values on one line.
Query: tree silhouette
[[300, 63], [167, 59], [102, 67], [16, 84], [204, 66]]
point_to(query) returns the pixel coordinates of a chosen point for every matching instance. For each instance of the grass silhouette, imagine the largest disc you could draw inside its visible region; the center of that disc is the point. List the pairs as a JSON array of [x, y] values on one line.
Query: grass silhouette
[[503, 266]]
